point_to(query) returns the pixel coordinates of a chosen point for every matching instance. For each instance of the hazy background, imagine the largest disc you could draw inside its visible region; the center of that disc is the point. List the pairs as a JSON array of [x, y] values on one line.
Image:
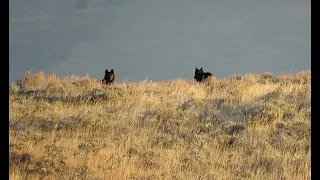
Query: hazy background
[[159, 39]]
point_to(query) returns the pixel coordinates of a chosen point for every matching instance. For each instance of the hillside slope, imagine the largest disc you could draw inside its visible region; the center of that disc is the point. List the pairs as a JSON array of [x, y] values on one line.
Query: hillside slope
[[255, 126]]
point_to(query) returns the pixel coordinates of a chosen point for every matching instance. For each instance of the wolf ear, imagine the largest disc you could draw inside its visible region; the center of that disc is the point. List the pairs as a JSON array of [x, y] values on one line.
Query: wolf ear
[[106, 71], [201, 69], [112, 71], [197, 69]]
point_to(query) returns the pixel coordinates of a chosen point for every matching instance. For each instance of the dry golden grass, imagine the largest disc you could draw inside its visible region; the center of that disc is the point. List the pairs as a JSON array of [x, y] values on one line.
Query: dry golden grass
[[255, 126], [211, 80]]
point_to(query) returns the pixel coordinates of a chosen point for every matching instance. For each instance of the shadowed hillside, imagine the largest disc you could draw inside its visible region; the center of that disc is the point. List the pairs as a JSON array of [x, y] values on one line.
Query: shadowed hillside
[[255, 126]]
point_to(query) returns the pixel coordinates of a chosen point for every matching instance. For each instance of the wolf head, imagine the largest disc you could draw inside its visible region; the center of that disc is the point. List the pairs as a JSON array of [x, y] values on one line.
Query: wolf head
[[198, 75]]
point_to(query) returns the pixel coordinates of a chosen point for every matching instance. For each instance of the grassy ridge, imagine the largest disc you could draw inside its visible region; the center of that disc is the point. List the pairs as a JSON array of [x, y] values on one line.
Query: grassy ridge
[[255, 126]]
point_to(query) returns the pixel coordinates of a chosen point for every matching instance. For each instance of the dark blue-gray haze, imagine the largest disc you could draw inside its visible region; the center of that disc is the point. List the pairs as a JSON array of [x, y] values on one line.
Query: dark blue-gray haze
[[158, 39]]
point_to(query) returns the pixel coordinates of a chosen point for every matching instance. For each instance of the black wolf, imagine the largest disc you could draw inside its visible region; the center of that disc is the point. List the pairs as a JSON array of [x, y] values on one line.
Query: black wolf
[[200, 76], [109, 77]]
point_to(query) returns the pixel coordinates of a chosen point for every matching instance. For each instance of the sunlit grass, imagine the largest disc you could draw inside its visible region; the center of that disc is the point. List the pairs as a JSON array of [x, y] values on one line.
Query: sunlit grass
[[255, 126]]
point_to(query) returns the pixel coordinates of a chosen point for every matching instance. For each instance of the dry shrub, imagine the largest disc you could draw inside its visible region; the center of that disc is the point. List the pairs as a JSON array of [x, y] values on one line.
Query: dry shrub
[[211, 80], [33, 81], [263, 114], [53, 82]]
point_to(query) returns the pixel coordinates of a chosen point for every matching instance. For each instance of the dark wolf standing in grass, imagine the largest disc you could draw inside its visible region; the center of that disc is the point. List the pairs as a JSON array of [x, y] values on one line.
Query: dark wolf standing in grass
[[201, 76], [109, 77]]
